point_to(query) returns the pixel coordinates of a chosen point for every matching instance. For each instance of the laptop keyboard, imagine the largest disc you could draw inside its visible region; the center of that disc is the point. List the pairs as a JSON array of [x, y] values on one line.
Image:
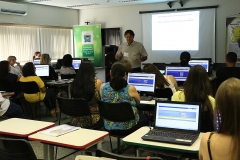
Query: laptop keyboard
[[146, 98], [172, 135]]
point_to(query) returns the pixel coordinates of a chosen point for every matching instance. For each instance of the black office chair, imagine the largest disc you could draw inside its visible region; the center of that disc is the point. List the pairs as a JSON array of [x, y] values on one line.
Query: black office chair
[[163, 93], [160, 66], [116, 112], [6, 85], [16, 149], [77, 107], [68, 76], [103, 153], [31, 88]]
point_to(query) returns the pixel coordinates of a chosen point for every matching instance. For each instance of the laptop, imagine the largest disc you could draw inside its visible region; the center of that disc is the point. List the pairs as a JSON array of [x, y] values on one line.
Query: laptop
[[204, 63], [42, 70], [76, 63], [180, 73], [144, 84], [36, 61], [175, 122]]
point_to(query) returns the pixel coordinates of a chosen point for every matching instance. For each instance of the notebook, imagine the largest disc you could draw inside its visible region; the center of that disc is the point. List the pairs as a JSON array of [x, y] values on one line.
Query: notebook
[[76, 63], [180, 73], [204, 63], [36, 61], [175, 122], [144, 84], [42, 70]]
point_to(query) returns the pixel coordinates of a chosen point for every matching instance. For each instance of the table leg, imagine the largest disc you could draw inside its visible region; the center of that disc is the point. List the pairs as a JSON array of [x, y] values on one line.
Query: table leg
[[99, 145], [45, 151], [51, 152], [139, 153]]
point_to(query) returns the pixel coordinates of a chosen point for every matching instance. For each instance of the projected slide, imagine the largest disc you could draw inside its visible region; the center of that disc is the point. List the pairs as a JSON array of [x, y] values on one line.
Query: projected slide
[[175, 31]]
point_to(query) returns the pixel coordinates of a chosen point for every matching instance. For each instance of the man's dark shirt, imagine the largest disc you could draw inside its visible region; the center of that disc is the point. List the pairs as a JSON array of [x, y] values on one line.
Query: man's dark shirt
[[227, 72]]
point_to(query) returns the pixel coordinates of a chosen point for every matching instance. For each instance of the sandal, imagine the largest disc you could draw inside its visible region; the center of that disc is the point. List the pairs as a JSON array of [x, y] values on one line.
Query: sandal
[[53, 113]]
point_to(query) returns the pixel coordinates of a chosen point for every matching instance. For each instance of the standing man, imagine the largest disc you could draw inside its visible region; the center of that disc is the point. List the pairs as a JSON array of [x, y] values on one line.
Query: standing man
[[132, 51]]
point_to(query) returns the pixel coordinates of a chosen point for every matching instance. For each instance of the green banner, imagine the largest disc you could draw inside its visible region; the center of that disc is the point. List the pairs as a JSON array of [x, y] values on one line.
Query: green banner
[[88, 43]]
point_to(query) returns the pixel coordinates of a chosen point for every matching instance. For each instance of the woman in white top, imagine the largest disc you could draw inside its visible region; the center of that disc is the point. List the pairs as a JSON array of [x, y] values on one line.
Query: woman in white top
[[67, 67], [161, 81]]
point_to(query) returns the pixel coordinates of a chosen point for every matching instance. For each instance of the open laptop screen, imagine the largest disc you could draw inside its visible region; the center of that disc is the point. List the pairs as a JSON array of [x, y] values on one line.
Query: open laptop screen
[[36, 61], [143, 82], [180, 73], [177, 115], [204, 63], [76, 63], [42, 70]]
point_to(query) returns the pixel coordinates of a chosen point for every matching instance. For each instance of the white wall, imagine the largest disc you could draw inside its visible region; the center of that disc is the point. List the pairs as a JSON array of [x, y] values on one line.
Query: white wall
[[128, 17], [44, 15]]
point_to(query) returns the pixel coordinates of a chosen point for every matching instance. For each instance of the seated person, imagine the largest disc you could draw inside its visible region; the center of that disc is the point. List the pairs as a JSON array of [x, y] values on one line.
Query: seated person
[[14, 69], [67, 67], [197, 88], [223, 143], [127, 64], [185, 57], [230, 70], [161, 80], [117, 91], [10, 109], [37, 55], [11, 78], [45, 59], [44, 95], [86, 86]]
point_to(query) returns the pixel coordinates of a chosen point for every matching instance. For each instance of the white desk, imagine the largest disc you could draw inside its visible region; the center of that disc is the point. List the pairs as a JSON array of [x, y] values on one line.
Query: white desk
[[80, 139], [135, 139], [22, 127], [152, 102]]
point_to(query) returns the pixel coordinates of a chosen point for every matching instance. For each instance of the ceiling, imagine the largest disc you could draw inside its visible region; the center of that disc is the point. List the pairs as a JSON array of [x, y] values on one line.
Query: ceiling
[[87, 4]]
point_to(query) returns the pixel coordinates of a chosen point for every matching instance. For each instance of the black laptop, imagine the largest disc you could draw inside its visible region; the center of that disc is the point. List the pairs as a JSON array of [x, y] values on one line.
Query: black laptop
[[175, 122]]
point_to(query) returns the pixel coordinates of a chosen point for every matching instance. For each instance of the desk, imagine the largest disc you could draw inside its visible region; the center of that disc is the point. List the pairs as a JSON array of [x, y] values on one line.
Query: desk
[[59, 86], [80, 139], [135, 139], [152, 102], [22, 127]]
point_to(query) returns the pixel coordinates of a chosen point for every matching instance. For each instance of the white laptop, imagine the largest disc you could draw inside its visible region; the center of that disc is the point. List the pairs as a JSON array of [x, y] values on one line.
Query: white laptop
[[42, 70]]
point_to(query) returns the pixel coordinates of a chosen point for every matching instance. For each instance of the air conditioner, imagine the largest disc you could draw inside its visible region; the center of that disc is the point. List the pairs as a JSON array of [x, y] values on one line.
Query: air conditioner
[[13, 8]]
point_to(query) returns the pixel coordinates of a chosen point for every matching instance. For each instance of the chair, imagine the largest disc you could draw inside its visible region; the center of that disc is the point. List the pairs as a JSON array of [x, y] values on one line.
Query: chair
[[6, 85], [163, 93], [160, 66], [30, 88], [68, 76], [116, 112], [103, 153], [12, 149]]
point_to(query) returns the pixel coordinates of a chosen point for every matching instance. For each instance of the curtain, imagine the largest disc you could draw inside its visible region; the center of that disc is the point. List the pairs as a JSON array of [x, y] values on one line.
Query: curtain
[[56, 42], [21, 42], [112, 36]]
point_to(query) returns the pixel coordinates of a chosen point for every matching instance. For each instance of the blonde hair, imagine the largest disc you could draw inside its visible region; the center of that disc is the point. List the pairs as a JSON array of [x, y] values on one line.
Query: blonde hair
[[45, 59], [127, 64], [10, 58], [227, 111]]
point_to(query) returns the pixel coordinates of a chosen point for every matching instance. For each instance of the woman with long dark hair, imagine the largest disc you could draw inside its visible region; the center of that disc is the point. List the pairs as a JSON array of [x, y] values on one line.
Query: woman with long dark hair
[[117, 91], [224, 143], [197, 88], [45, 95], [86, 86], [161, 80]]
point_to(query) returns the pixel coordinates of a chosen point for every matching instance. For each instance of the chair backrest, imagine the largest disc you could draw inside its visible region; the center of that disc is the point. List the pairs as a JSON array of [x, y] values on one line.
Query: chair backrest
[[29, 87], [163, 93], [74, 107], [68, 76], [13, 149], [6, 85], [160, 66], [116, 112], [103, 153]]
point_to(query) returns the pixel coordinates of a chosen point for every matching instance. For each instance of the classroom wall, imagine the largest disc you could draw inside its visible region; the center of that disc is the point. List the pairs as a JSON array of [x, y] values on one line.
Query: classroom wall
[[44, 15], [128, 17]]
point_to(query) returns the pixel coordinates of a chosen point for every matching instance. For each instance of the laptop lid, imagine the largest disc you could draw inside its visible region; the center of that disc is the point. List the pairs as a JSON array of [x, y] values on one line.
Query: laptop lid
[[36, 61], [76, 63], [42, 70], [177, 116], [143, 82], [179, 72], [204, 63]]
